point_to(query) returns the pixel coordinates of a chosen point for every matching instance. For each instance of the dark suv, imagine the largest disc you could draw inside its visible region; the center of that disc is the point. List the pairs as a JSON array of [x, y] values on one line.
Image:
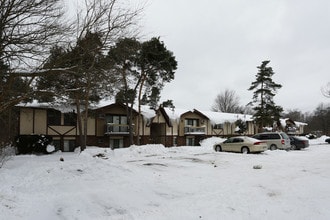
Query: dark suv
[[275, 140]]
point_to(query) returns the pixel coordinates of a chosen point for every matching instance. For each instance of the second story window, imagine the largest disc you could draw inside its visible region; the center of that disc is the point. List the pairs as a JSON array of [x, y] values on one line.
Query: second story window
[[191, 122], [117, 119], [192, 127], [70, 119], [116, 123], [53, 117]]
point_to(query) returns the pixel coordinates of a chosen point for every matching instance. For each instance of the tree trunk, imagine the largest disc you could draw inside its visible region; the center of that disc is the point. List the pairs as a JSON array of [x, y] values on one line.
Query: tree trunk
[[262, 105], [130, 123], [131, 126], [80, 130], [85, 125], [86, 105], [139, 108]]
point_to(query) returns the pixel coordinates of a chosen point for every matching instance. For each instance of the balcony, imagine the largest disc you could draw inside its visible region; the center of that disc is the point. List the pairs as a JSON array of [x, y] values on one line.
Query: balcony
[[194, 130], [112, 128]]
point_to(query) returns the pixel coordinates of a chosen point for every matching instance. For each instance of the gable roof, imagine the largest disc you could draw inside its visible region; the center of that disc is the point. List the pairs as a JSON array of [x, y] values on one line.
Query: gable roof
[[146, 111], [285, 121], [166, 117], [64, 108], [214, 117], [44, 105], [175, 113], [221, 117]]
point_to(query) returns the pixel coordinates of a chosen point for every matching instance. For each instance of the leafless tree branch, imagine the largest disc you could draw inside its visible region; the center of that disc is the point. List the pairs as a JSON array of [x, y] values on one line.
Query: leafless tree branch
[[112, 19], [326, 90], [27, 30]]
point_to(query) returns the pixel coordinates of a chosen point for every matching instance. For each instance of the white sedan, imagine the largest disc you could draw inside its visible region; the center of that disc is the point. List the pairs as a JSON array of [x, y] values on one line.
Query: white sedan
[[241, 144]]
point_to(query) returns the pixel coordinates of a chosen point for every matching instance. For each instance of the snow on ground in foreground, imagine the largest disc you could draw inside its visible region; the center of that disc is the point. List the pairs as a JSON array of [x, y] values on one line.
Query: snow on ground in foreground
[[154, 182]]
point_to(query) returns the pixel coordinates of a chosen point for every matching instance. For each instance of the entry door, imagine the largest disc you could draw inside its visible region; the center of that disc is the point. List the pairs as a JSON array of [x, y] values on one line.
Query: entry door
[[158, 133], [66, 146], [116, 143], [190, 141]]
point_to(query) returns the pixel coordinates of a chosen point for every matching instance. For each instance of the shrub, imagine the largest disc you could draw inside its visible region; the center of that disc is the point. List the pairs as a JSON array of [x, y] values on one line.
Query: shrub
[[27, 144], [6, 152]]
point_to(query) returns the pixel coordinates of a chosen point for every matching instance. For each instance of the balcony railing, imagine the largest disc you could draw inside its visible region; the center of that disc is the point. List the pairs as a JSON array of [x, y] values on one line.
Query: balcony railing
[[194, 130], [117, 128]]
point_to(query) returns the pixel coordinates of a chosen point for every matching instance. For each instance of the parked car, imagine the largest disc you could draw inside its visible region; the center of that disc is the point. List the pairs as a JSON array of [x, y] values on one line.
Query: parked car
[[275, 140], [241, 144], [298, 143], [327, 140]]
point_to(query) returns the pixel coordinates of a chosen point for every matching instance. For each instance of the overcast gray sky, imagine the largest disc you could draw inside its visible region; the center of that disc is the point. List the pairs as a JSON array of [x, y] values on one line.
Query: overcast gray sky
[[219, 43]]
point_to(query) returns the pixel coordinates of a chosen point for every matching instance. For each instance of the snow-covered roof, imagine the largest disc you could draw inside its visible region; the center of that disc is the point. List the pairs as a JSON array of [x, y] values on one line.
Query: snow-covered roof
[[221, 117], [102, 103], [62, 108], [215, 117], [175, 113], [298, 124], [145, 110]]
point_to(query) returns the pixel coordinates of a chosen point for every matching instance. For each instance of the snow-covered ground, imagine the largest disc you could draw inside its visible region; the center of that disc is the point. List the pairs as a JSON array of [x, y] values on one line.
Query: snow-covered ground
[[153, 182]]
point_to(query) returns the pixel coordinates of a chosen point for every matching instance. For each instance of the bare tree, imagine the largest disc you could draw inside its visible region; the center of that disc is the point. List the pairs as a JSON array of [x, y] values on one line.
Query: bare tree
[[111, 19], [27, 29], [98, 24], [320, 119], [326, 90], [294, 114], [227, 101]]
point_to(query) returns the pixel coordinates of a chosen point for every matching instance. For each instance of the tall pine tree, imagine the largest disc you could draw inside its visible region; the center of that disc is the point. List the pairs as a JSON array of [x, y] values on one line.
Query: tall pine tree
[[144, 68], [266, 112]]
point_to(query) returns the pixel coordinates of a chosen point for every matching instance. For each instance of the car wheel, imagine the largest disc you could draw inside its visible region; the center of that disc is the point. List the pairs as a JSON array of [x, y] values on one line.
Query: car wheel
[[273, 147], [293, 147], [218, 148], [245, 150]]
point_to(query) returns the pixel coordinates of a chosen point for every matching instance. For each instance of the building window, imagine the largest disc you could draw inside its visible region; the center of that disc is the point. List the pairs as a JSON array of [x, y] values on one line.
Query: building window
[[117, 123], [53, 117], [218, 126], [117, 119], [192, 122], [70, 119]]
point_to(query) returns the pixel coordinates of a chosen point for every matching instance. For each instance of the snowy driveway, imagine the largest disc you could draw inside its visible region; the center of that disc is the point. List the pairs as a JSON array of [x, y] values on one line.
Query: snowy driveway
[[153, 182]]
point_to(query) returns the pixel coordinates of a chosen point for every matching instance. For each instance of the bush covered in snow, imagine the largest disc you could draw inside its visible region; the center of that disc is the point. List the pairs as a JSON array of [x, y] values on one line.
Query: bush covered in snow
[[6, 151], [27, 144]]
